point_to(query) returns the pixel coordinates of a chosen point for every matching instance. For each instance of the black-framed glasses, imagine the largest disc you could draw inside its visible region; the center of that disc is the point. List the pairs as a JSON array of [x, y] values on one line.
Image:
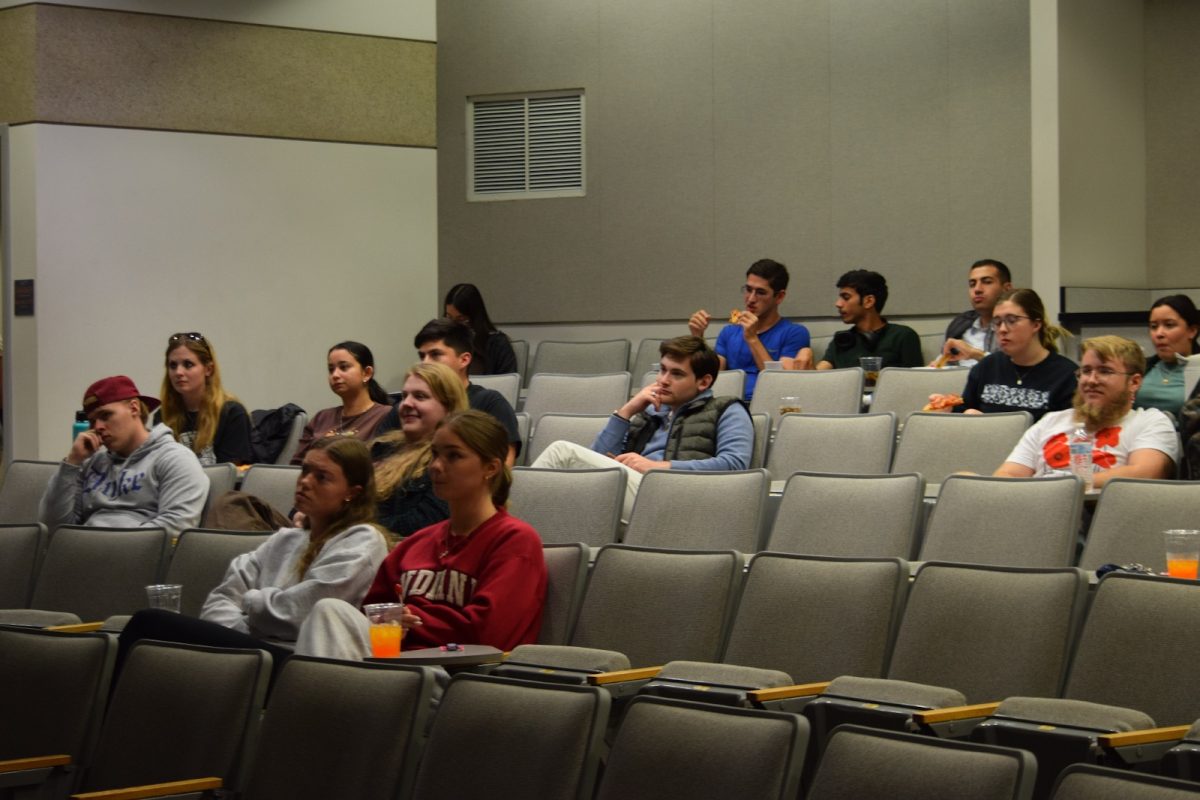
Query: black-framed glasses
[[192, 336], [1103, 373], [1008, 321]]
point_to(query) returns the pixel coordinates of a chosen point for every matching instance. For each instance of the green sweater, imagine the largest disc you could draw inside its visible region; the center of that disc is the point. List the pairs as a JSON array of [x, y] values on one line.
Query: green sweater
[[898, 345]]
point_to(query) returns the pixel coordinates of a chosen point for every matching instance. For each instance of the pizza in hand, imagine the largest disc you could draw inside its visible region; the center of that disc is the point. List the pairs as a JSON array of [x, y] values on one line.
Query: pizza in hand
[[943, 402]]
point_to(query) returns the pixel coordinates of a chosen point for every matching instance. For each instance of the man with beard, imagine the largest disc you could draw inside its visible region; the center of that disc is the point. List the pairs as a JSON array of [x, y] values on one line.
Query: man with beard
[[1127, 443]]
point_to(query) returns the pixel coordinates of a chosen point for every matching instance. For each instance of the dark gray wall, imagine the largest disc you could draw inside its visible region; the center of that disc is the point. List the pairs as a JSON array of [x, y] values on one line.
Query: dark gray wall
[[828, 134]]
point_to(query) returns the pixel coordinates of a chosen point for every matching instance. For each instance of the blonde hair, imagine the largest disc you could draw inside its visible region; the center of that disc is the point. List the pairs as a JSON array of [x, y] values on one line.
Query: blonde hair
[[1049, 334], [410, 459], [1127, 351], [174, 414]]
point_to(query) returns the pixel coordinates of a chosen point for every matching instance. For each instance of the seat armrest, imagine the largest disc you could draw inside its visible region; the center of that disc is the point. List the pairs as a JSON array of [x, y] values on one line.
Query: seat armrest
[[622, 675], [1147, 736], [935, 716], [35, 762], [785, 692], [152, 790], [78, 627]]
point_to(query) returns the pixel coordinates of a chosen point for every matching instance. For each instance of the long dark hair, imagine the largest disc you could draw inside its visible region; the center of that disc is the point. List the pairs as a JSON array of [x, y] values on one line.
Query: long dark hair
[[365, 358], [466, 298]]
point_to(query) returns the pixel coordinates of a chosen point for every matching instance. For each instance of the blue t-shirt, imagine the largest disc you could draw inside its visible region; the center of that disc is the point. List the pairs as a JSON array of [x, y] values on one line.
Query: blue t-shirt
[[784, 338]]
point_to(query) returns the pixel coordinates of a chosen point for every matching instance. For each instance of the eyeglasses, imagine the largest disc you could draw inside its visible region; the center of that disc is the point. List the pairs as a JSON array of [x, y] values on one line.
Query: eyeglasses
[[1103, 373], [757, 291], [1009, 322], [193, 336]]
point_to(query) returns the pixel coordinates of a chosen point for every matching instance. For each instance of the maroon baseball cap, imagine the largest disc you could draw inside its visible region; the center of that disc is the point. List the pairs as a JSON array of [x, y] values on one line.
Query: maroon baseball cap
[[110, 390]]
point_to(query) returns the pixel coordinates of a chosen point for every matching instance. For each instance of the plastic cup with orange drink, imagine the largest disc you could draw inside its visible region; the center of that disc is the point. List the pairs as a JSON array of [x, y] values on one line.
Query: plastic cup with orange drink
[[1183, 553], [385, 629]]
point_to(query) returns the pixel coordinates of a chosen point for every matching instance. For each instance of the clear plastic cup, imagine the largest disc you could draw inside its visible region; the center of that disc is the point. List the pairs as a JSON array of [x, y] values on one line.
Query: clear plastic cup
[[1183, 552], [165, 595], [385, 630]]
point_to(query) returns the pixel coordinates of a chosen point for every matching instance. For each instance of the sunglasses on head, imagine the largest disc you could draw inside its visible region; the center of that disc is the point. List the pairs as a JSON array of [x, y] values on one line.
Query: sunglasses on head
[[193, 336]]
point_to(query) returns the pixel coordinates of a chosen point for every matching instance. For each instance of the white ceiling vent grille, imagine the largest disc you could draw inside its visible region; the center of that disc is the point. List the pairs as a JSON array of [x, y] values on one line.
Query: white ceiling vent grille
[[524, 147]]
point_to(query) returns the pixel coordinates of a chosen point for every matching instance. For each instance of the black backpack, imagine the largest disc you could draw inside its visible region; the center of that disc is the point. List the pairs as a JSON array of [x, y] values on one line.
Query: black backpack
[[270, 430]]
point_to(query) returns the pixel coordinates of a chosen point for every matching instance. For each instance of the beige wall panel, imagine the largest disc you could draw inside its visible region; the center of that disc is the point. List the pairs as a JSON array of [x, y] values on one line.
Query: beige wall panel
[[890, 116], [772, 167], [17, 30], [137, 70], [989, 155], [1172, 142], [407, 19], [1103, 143], [274, 249]]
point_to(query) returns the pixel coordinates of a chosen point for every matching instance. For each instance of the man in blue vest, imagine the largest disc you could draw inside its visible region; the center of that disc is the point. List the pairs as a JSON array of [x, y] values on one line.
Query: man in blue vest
[[673, 423]]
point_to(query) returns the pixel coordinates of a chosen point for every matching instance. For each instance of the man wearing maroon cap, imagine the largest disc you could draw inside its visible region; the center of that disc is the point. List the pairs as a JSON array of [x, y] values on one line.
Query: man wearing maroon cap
[[119, 474]]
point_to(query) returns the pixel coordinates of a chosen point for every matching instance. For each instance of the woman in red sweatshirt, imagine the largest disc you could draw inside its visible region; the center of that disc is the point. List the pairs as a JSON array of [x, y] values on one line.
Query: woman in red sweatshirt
[[477, 578]]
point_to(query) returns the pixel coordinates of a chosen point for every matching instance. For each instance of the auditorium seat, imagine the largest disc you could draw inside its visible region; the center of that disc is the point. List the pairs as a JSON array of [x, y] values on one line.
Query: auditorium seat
[[581, 358], [569, 505], [24, 484], [1130, 518], [938, 445], [699, 510], [833, 391], [841, 443], [903, 391]]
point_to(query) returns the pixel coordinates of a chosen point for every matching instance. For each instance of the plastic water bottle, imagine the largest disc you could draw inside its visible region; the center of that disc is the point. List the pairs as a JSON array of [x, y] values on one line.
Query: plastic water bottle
[[1080, 445], [81, 425]]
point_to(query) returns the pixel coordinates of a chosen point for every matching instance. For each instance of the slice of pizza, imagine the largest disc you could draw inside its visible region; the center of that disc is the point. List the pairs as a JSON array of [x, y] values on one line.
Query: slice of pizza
[[734, 316], [941, 402]]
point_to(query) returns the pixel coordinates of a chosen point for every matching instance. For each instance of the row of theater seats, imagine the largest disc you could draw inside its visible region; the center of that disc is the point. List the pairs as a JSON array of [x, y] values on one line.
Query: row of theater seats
[[618, 355], [186, 712], [839, 391]]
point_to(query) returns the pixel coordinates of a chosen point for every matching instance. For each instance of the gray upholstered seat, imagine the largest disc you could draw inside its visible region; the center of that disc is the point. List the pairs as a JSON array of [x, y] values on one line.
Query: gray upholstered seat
[[521, 351], [292, 443], [903, 391], [652, 606], [524, 739], [273, 483], [937, 445], [24, 483], [885, 514], [762, 439], [177, 712], [1030, 522], [645, 356], [841, 443], [20, 548], [71, 581], [879, 690], [833, 391], [730, 383], [1076, 713], [507, 384], [566, 569], [222, 478], [56, 686], [200, 560], [1087, 782], [679, 750], [575, 394], [581, 429], [581, 358], [699, 510], [379, 711], [569, 505], [1130, 519], [862, 762]]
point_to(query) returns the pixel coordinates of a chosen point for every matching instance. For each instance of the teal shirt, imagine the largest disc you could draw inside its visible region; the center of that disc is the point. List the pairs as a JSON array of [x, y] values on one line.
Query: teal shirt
[[1162, 388]]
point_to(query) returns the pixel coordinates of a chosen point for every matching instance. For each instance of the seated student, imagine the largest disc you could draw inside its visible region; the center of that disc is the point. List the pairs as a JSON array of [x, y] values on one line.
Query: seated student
[[1174, 323], [364, 402], [758, 333], [195, 406], [477, 578], [267, 593], [1127, 443], [969, 336], [861, 297], [674, 423], [493, 352], [450, 343], [118, 474], [404, 490], [1026, 373]]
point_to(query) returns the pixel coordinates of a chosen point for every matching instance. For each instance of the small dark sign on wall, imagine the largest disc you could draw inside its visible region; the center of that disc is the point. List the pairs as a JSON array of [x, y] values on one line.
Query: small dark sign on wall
[[23, 298]]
